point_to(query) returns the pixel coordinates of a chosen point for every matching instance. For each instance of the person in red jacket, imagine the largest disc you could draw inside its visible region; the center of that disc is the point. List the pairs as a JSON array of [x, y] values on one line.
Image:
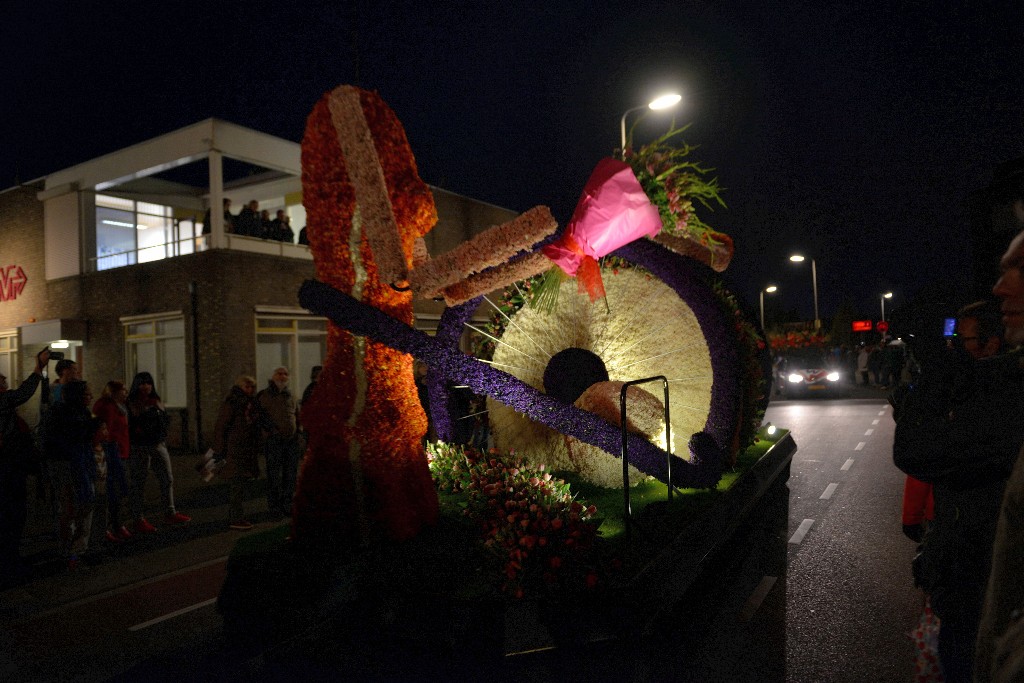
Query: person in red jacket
[[112, 408], [918, 508]]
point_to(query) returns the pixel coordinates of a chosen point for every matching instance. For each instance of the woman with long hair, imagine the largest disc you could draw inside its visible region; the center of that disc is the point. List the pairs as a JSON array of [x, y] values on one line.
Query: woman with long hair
[[112, 408], [147, 432]]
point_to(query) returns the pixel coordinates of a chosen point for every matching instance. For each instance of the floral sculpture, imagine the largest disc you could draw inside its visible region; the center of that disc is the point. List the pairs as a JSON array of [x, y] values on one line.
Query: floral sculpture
[[365, 471]]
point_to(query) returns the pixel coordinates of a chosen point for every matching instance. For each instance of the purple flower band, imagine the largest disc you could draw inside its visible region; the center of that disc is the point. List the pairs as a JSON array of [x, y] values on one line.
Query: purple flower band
[[446, 360]]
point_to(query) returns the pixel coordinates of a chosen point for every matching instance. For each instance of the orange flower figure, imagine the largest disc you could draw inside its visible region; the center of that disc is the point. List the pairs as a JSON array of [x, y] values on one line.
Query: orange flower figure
[[365, 472]]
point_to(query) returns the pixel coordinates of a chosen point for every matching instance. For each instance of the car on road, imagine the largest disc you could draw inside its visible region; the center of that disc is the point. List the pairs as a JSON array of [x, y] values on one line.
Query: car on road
[[809, 372]]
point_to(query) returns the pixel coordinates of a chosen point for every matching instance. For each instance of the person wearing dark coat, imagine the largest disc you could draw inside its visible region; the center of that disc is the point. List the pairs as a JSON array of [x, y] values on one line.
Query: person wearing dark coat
[[16, 450], [247, 222], [72, 467], [960, 429], [236, 441]]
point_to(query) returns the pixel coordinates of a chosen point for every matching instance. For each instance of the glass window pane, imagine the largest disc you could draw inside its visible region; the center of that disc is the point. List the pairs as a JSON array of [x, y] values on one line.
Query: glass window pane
[[115, 232], [272, 351], [313, 324], [5, 342], [154, 209], [311, 353], [142, 358], [114, 202], [172, 376], [139, 329], [171, 328]]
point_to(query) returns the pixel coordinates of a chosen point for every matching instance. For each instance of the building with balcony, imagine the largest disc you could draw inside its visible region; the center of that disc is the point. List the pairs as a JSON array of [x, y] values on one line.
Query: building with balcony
[[108, 260]]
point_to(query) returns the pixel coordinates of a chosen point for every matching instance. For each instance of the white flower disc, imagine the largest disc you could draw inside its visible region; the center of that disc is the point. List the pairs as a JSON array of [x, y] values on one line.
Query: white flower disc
[[645, 330]]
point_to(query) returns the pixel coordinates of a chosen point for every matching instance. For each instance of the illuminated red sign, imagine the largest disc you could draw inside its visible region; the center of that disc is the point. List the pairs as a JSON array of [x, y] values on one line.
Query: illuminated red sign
[[12, 282], [862, 326], [882, 326]]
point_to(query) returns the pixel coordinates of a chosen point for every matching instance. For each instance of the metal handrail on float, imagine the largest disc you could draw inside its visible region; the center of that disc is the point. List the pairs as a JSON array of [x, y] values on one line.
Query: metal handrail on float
[[625, 447]]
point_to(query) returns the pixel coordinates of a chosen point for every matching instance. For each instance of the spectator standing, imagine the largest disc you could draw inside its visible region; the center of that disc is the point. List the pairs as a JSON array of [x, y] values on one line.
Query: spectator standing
[[236, 441], [66, 370], [112, 408], [72, 465], [280, 441], [147, 430], [960, 428], [875, 356], [229, 220], [1001, 632], [266, 226], [862, 365], [303, 237], [247, 222], [17, 451]]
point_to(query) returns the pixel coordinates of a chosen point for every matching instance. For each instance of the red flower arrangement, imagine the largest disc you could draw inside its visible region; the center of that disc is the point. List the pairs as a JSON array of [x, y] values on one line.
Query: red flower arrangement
[[365, 471], [541, 536]]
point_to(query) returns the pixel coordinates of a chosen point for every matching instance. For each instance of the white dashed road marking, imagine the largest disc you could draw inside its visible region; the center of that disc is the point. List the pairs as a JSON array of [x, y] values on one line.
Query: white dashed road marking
[[756, 598], [874, 422], [829, 490], [178, 613], [869, 432], [847, 465], [801, 531], [860, 446]]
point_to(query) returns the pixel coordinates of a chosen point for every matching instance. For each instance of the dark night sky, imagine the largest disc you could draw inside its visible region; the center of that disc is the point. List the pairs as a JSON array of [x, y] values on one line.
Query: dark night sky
[[851, 131]]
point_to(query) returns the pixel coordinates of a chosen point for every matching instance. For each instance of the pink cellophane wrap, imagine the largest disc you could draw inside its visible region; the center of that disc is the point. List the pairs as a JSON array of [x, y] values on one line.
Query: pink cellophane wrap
[[613, 210]]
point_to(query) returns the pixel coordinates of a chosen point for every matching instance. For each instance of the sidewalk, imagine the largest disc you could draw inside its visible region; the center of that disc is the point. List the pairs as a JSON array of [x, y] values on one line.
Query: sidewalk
[[108, 566]]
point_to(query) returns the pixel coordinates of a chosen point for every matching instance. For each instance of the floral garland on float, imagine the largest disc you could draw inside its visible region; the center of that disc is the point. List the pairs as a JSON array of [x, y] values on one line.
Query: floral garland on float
[[797, 340]]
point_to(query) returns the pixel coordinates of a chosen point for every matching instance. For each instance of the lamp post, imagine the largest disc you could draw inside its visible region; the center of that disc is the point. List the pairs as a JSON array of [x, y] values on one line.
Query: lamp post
[[769, 289], [887, 295], [797, 258], [666, 101]]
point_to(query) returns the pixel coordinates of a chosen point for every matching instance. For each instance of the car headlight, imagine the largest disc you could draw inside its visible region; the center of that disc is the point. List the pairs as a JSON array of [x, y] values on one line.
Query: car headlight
[[795, 378], [832, 377]]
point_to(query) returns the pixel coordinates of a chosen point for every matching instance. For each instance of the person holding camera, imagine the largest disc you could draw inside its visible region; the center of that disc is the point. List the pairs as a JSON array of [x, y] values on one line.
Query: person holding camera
[[959, 428], [16, 451], [147, 431]]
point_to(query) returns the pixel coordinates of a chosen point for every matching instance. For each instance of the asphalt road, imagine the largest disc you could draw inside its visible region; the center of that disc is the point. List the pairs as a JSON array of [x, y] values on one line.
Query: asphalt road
[[850, 600]]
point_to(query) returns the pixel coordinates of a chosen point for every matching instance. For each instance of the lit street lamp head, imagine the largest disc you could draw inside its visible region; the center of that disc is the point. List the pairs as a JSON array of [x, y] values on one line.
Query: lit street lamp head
[[665, 101], [796, 258]]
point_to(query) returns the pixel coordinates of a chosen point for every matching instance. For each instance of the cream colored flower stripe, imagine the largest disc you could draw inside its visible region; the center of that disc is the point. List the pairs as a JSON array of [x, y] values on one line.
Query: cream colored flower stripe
[[368, 182], [492, 247], [505, 274]]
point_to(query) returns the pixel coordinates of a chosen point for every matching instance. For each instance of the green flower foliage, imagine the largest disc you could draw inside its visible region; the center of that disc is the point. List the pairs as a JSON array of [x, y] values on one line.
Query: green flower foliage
[[673, 182]]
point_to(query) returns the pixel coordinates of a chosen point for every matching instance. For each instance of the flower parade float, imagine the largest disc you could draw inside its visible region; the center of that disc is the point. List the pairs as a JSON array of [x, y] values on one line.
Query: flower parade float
[[530, 543]]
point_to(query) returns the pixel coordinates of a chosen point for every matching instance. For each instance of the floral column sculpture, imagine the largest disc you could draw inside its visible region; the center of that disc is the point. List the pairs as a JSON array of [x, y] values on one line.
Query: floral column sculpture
[[365, 473]]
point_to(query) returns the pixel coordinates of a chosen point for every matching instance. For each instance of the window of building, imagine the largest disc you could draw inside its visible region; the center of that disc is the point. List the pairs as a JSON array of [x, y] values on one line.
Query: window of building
[[156, 344], [296, 342], [129, 232], [9, 357]]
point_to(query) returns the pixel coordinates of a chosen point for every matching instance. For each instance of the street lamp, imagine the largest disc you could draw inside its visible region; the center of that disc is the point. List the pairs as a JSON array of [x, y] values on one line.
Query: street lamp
[[665, 101], [797, 258], [887, 295], [769, 289]]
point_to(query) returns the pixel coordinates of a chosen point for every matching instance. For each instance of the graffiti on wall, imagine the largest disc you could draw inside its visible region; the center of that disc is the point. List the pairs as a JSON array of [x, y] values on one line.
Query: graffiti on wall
[[12, 282]]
